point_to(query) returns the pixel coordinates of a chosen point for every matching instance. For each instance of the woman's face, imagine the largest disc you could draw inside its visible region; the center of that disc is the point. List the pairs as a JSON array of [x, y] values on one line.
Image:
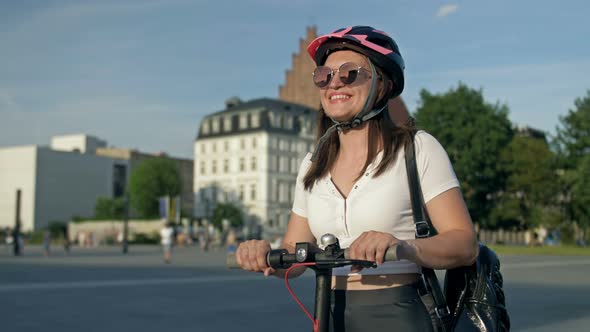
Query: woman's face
[[340, 101]]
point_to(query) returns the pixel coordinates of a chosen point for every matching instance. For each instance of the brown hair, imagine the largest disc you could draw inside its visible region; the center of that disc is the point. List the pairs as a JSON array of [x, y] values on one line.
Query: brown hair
[[380, 127]]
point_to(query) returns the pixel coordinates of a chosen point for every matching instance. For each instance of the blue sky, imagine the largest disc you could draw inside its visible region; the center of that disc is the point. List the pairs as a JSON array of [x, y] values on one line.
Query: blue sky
[[142, 74]]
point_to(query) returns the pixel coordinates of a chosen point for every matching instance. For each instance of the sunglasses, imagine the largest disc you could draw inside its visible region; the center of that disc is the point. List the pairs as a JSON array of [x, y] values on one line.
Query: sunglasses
[[348, 73]]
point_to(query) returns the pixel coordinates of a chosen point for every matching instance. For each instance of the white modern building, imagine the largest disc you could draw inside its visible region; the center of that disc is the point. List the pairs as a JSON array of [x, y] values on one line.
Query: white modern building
[[55, 185], [81, 143], [249, 154]]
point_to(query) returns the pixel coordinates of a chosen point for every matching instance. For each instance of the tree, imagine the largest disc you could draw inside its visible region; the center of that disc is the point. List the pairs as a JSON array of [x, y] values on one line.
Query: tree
[[573, 133], [227, 211], [580, 193], [531, 184], [109, 208], [474, 133], [573, 145], [152, 179]]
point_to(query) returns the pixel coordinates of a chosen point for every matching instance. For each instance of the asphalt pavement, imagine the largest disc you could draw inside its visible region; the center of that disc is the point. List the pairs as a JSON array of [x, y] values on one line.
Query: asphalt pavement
[[101, 289]]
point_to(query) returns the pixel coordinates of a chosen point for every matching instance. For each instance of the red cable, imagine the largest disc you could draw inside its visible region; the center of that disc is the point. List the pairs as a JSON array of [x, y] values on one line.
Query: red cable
[[316, 322]]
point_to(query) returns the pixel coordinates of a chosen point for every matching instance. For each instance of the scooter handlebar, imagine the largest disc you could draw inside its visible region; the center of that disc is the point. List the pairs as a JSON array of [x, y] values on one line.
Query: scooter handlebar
[[274, 257]]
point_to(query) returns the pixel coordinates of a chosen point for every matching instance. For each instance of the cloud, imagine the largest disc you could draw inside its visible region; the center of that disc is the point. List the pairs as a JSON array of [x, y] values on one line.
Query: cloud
[[446, 10]]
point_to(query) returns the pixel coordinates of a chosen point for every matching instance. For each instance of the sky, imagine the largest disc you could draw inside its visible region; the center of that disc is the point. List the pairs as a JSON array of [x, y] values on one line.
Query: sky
[[142, 74]]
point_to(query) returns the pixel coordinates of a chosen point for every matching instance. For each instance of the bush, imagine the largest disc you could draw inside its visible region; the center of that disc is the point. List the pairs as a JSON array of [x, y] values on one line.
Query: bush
[[142, 238]]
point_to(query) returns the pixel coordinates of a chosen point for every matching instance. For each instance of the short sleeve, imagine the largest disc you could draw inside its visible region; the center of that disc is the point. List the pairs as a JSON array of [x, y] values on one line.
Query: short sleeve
[[434, 166], [300, 196]]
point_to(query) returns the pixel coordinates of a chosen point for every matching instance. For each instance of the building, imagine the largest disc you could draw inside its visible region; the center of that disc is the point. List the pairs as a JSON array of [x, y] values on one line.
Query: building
[[299, 87], [133, 158], [55, 185], [249, 154], [65, 180], [81, 143]]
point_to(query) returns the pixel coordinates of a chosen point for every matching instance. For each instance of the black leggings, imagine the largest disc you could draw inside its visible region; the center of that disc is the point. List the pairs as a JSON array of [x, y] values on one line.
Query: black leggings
[[391, 309]]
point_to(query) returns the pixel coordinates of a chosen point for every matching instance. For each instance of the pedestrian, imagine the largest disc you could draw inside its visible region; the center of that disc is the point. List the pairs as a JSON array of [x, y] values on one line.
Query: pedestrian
[[46, 242], [8, 239], [355, 186], [167, 238]]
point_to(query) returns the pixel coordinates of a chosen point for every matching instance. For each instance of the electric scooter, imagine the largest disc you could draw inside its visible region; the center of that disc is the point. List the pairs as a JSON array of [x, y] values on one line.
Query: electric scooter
[[321, 262]]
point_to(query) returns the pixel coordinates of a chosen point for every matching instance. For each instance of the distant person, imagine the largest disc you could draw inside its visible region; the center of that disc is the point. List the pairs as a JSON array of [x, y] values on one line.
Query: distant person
[[203, 236], [46, 242], [66, 240], [8, 239], [231, 241], [167, 238]]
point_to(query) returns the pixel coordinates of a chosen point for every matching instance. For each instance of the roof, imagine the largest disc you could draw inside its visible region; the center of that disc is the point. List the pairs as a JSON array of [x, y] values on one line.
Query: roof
[[261, 106]]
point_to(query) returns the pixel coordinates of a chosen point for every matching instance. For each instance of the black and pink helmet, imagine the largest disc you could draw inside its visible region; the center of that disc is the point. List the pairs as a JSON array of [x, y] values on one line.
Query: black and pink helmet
[[375, 44]]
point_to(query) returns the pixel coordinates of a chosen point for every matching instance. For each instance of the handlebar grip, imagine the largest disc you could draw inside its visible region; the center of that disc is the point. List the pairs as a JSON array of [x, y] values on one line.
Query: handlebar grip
[[390, 254]]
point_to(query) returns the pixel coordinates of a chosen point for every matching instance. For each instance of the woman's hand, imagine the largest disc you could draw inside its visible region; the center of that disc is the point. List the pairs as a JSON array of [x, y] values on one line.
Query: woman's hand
[[371, 246], [251, 256]]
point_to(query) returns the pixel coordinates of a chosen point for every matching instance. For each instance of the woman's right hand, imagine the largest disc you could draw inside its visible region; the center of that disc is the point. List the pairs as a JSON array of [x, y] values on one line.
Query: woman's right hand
[[251, 256]]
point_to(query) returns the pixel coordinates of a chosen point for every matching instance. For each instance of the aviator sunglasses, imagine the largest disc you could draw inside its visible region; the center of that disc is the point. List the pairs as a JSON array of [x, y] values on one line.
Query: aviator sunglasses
[[347, 74]]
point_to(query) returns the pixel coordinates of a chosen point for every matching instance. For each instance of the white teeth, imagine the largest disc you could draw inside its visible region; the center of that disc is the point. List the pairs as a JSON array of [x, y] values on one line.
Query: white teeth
[[339, 97]]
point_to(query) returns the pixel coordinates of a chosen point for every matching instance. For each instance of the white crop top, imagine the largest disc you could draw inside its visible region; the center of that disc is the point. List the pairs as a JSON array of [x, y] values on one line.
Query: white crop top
[[375, 203]]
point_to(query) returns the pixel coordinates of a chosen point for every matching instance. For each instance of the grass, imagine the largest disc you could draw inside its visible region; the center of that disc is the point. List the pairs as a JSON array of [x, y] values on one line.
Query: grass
[[564, 250]]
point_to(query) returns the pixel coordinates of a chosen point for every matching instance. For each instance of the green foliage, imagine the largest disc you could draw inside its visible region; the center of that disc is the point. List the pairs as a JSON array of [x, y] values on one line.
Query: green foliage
[[109, 208], [573, 144], [142, 238], [153, 178], [531, 184], [474, 133], [573, 134], [580, 193], [57, 228], [227, 211]]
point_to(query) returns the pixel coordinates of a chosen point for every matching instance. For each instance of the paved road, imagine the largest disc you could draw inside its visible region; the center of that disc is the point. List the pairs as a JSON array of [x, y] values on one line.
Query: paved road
[[100, 289]]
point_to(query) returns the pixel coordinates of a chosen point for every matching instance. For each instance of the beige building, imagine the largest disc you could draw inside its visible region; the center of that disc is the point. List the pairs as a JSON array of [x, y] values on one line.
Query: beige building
[[249, 154]]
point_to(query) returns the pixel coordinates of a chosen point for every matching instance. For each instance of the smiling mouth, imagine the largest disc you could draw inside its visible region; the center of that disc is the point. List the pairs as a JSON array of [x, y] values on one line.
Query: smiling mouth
[[339, 97]]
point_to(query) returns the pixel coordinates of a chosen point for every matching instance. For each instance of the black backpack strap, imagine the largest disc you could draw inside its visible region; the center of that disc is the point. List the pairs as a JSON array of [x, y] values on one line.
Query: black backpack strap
[[424, 229]]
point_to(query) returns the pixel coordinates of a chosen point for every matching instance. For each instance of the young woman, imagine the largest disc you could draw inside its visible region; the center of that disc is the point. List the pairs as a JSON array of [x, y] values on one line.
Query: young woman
[[355, 186]]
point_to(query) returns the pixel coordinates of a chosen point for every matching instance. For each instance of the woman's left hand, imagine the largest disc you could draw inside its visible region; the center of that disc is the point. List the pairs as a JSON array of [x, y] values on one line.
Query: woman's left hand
[[371, 246]]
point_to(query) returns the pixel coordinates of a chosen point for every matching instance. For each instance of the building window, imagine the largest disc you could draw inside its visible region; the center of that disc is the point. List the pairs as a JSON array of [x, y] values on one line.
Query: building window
[[226, 146], [253, 192], [254, 143], [284, 164], [214, 166], [226, 166], [202, 168], [242, 165], [241, 193], [288, 122], [203, 149], [215, 125], [293, 165], [253, 163], [227, 123], [279, 123], [255, 120], [242, 143], [119, 180], [214, 146], [205, 127], [243, 121]]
